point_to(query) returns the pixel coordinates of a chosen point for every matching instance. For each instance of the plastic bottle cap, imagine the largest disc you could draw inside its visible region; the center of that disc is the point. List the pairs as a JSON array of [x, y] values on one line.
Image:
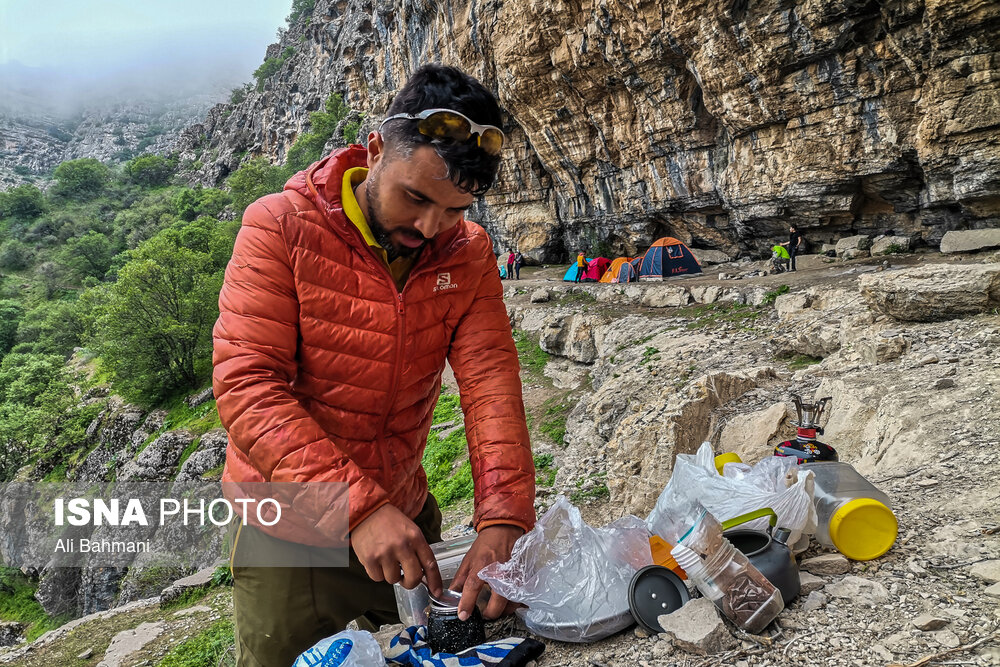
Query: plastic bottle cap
[[723, 459], [863, 529]]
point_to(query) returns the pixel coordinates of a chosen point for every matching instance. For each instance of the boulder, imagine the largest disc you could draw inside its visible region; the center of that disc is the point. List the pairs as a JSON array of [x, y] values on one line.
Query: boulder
[[10, 633], [988, 571], [705, 294], [666, 297], [933, 292], [787, 304], [698, 628], [570, 336], [645, 442], [128, 642], [748, 435], [855, 253], [882, 349], [826, 564], [885, 245], [540, 295], [970, 240], [197, 581], [211, 453], [859, 590], [708, 257], [859, 243], [203, 396], [158, 461]]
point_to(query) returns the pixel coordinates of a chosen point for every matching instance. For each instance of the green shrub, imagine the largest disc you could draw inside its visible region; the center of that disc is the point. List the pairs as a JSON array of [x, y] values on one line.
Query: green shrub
[[255, 179], [308, 147], [271, 66], [150, 170], [82, 179], [24, 201], [773, 295], [300, 9], [15, 256]]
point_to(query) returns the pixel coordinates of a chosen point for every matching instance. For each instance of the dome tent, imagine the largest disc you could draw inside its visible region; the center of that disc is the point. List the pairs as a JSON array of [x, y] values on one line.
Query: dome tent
[[620, 271], [668, 257]]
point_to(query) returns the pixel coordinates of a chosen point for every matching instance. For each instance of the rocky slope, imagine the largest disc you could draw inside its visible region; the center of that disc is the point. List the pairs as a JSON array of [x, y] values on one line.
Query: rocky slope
[[717, 121], [34, 141], [651, 370]]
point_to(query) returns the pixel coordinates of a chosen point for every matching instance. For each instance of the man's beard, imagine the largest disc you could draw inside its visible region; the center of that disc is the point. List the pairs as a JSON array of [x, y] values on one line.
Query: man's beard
[[380, 233]]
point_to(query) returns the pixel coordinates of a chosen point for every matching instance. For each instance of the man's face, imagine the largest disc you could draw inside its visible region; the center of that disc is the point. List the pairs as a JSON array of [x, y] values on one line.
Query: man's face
[[411, 199]]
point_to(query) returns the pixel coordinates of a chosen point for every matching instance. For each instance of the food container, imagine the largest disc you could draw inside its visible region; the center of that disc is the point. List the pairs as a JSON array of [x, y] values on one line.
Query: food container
[[445, 632], [412, 604]]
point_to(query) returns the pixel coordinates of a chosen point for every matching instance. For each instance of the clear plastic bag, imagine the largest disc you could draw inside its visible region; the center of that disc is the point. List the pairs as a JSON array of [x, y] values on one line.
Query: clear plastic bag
[[573, 578], [775, 482], [350, 648]]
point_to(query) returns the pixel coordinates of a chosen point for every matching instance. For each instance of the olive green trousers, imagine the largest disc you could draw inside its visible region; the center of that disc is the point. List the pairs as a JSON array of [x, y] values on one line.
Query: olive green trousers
[[282, 611]]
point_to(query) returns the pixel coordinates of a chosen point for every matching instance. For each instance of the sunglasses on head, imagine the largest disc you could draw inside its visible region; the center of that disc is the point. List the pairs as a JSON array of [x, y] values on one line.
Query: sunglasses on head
[[448, 125]]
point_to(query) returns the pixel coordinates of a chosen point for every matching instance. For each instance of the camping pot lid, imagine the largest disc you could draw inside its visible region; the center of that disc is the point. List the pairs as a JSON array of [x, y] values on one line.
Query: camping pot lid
[[655, 590], [447, 602]]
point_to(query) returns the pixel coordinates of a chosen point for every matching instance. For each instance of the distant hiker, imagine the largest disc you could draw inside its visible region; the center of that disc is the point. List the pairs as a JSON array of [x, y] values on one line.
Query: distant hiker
[[518, 261], [510, 264], [346, 294], [795, 245], [779, 258], [581, 266]]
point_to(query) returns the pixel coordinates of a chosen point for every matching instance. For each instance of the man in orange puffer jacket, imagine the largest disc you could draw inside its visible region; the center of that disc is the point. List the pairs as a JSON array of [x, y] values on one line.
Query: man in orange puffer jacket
[[345, 295]]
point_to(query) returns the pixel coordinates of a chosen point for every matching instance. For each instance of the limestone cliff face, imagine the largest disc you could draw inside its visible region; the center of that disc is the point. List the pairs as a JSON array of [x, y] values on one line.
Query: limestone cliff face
[[716, 121]]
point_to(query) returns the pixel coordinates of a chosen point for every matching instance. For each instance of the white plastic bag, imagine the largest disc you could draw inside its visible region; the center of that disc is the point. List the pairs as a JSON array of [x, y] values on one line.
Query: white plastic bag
[[350, 648], [573, 578], [775, 482]]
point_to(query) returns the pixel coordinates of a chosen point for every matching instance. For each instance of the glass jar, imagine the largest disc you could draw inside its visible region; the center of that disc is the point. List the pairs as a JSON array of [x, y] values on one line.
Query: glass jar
[[445, 632]]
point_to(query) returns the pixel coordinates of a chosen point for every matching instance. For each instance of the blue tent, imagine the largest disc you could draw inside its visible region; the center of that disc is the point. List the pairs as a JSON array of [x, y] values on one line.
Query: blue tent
[[668, 257], [571, 271]]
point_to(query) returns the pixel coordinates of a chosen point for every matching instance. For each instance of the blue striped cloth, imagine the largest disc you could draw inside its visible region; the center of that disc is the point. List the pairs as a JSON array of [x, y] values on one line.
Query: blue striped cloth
[[410, 648]]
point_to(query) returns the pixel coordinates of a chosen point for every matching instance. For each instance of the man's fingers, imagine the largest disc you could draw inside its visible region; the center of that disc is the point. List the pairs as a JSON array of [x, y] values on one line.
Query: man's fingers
[[413, 571], [432, 575], [495, 607], [391, 571], [374, 571], [470, 591]]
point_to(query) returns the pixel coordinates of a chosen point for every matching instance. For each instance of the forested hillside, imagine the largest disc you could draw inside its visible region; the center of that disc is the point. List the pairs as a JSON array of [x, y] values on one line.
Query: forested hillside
[[110, 279]]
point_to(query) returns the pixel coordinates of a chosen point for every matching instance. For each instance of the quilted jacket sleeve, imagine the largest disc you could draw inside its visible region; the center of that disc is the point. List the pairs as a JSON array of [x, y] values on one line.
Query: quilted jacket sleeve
[[255, 342], [485, 362]]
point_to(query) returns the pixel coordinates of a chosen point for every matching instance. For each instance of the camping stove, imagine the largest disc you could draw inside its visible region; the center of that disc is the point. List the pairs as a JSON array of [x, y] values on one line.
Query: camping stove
[[805, 447]]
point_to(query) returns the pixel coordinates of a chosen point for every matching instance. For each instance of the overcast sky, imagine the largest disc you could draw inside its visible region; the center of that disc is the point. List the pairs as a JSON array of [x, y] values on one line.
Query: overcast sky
[[105, 37]]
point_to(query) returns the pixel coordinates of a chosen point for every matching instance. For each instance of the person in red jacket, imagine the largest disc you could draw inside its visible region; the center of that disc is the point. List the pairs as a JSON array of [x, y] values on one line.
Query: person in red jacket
[[346, 294]]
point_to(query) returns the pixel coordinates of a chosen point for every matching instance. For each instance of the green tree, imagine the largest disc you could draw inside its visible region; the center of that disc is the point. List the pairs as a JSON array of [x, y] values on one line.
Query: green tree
[[11, 313], [82, 179], [144, 219], [255, 179], [51, 327], [192, 202], [88, 255], [33, 389], [15, 256], [150, 170], [152, 328], [308, 147], [24, 201]]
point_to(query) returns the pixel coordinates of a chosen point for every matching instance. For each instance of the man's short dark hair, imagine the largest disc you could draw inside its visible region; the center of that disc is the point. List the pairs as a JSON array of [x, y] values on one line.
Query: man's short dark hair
[[441, 87]]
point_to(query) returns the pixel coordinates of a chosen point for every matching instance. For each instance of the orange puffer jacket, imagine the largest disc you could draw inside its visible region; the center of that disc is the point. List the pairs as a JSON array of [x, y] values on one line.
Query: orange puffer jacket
[[325, 372]]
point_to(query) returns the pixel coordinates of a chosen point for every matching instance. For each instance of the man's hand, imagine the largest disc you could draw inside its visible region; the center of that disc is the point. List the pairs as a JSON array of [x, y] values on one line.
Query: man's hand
[[493, 545], [393, 549]]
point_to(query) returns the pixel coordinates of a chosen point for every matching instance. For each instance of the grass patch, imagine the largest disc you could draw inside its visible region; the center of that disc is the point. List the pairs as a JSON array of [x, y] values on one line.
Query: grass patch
[[772, 296], [199, 420], [188, 451], [446, 483], [553, 424], [532, 357], [18, 603], [204, 649], [599, 491], [576, 298], [649, 354], [545, 472], [801, 361], [716, 314], [186, 599]]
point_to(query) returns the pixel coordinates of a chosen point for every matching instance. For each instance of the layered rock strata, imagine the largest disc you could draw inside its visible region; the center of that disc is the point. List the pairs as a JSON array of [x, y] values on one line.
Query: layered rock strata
[[717, 121]]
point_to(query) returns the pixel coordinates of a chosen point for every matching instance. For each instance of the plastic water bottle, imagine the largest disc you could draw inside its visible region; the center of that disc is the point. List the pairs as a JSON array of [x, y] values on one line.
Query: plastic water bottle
[[350, 648], [853, 515]]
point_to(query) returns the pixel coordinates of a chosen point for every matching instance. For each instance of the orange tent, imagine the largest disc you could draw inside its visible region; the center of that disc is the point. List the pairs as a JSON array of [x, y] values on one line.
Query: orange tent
[[612, 274]]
